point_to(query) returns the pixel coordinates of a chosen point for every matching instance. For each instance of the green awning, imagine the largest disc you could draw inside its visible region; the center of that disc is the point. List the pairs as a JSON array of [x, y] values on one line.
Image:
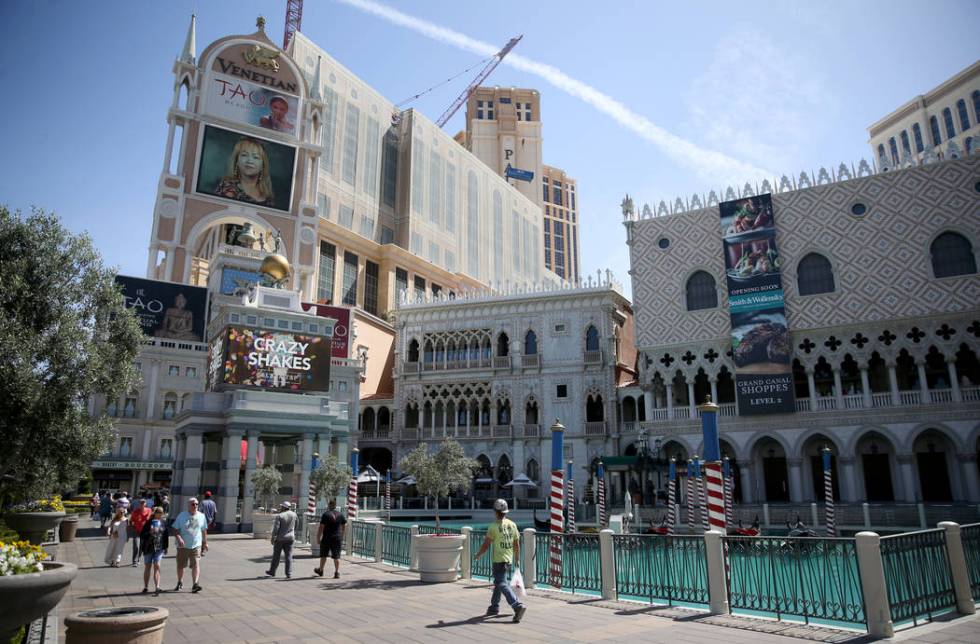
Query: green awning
[[619, 460]]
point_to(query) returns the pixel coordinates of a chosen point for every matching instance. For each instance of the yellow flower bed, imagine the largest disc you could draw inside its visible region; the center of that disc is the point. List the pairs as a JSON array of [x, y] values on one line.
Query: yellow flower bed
[[20, 558]]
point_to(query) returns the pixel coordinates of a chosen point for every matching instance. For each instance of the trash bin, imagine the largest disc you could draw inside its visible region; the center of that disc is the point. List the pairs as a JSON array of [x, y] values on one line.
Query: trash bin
[[127, 624], [66, 532]]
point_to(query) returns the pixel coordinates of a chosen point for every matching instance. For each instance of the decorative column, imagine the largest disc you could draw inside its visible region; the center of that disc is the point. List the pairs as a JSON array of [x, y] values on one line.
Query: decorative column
[[838, 388], [812, 386], [866, 388], [845, 469], [795, 479], [231, 462], [648, 404], [248, 503], [909, 491], [713, 381], [745, 473], [691, 406], [669, 386], [953, 382], [570, 498], [920, 367], [971, 484], [893, 384], [191, 484]]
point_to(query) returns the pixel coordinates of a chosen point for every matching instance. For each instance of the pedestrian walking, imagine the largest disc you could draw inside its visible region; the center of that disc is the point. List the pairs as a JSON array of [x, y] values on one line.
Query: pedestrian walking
[[330, 534], [93, 505], [283, 536], [503, 539], [105, 510], [154, 544], [123, 501], [165, 502], [210, 509], [137, 518], [117, 538], [191, 531]]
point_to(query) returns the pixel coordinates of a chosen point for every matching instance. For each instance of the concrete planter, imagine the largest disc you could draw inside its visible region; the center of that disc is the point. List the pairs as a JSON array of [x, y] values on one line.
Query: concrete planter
[[262, 525], [438, 557], [25, 598], [67, 529], [135, 624], [33, 526]]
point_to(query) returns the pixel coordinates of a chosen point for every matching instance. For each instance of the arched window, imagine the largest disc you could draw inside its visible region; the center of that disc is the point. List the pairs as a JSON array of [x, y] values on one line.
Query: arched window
[[701, 292], [413, 351], [505, 473], [948, 122], [531, 413], [814, 274], [503, 345], [893, 148], [952, 255], [532, 471], [594, 412], [427, 353], [530, 343], [881, 154], [934, 129], [112, 408], [917, 136], [503, 412], [905, 142], [591, 339], [976, 105], [411, 416], [169, 406], [963, 114]]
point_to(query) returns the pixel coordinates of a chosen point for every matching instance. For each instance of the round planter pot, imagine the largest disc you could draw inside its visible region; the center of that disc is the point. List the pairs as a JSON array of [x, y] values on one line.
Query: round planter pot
[[262, 525], [33, 526], [27, 597], [66, 531], [438, 557], [142, 624]]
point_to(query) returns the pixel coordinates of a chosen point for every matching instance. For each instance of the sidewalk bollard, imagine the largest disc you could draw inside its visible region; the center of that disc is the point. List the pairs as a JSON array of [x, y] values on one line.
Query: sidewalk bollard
[[527, 553], [607, 564], [866, 510], [413, 555], [814, 517], [957, 568], [765, 515], [714, 550], [349, 539], [922, 516], [872, 573], [466, 559], [378, 541]]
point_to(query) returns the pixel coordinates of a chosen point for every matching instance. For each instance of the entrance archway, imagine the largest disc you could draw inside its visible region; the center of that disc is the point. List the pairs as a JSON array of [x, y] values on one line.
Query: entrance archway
[[932, 459], [875, 453], [775, 476]]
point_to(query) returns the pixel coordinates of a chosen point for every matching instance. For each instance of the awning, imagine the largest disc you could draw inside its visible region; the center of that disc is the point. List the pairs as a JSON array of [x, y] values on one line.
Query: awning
[[619, 460]]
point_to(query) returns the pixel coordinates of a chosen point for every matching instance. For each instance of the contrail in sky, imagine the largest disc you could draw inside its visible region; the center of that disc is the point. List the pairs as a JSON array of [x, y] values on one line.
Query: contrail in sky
[[710, 165]]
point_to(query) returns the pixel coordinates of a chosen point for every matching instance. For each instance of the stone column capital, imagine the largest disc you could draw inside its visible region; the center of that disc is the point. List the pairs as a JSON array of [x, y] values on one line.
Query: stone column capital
[[905, 459]]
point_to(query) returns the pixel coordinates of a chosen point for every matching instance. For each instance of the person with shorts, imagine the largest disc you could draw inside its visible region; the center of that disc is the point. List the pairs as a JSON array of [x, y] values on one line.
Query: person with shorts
[[505, 540], [137, 519], [330, 534], [154, 544], [191, 531]]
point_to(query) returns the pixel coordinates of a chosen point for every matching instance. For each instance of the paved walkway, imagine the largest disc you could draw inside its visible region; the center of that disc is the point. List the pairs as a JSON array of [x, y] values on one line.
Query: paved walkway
[[378, 603]]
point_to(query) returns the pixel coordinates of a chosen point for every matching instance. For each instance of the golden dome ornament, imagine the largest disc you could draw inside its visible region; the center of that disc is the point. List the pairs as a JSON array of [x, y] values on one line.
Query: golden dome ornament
[[275, 267]]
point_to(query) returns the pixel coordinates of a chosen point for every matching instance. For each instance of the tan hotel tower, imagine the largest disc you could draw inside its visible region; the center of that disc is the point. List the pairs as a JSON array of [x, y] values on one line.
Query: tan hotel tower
[[503, 128]]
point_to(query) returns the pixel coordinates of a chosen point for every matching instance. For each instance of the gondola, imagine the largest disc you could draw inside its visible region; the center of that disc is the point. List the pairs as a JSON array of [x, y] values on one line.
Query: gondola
[[800, 529], [657, 529], [751, 531], [539, 525]]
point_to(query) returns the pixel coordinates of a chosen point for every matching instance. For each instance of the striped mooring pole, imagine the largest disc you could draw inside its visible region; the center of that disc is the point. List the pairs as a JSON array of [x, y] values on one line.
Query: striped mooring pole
[[602, 495], [671, 490], [691, 496], [352, 488], [726, 467], [557, 501], [570, 499], [388, 494], [311, 498], [699, 485], [828, 493], [712, 467]]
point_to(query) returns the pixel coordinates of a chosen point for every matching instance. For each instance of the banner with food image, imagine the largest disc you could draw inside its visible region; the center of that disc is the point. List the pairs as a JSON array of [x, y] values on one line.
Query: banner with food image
[[761, 346]]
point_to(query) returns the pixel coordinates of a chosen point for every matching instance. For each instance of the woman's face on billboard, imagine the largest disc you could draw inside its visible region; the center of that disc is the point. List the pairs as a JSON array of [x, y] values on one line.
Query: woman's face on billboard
[[249, 161]]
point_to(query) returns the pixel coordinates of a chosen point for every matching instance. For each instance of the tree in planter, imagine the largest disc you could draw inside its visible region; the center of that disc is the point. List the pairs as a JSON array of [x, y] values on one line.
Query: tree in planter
[[330, 477], [438, 474], [266, 482], [65, 336]]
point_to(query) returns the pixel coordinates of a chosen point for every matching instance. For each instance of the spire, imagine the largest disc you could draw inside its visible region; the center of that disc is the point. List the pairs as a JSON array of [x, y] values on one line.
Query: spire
[[315, 89], [189, 54]]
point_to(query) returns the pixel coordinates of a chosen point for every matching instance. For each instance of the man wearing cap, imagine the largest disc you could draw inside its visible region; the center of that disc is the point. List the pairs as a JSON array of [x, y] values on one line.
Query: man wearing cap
[[191, 530], [283, 536], [210, 509], [504, 538]]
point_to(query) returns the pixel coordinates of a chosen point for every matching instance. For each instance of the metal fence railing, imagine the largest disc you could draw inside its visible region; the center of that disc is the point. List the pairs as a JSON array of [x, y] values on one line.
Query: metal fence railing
[[812, 578], [658, 569], [917, 575], [971, 548], [580, 570], [480, 568], [363, 538], [431, 529], [396, 545]]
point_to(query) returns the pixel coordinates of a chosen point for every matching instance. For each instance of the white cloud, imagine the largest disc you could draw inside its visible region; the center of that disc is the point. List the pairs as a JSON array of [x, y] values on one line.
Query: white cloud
[[711, 166]]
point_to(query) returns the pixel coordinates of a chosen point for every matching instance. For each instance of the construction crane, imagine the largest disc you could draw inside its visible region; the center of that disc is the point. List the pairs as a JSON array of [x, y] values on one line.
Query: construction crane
[[482, 76], [294, 16]]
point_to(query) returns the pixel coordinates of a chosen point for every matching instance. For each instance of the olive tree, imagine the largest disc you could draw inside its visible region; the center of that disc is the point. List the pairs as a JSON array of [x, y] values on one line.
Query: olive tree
[[438, 474], [65, 337], [330, 477]]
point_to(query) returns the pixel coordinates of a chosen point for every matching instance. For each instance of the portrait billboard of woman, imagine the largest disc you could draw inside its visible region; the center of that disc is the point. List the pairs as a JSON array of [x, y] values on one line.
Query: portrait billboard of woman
[[246, 169]]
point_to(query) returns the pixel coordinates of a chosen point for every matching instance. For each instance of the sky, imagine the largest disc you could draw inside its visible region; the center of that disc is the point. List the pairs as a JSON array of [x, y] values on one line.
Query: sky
[[648, 98]]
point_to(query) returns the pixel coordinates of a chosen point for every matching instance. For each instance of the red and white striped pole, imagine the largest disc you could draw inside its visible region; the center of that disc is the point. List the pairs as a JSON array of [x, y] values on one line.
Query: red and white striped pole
[[702, 505], [388, 495], [712, 457], [557, 502], [671, 490], [828, 493], [570, 499], [602, 495], [352, 488], [691, 496], [311, 498]]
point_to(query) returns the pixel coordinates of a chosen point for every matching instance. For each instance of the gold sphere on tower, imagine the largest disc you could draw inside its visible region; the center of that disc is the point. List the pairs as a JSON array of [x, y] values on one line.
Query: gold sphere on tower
[[275, 267]]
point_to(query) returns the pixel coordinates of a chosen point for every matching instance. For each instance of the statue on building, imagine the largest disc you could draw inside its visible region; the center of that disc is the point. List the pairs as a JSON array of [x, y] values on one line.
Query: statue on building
[[178, 321], [627, 206]]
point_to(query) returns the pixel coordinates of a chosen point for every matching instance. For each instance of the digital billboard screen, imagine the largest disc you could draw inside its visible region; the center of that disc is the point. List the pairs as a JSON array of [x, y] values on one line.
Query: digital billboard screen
[[246, 168], [270, 360], [164, 309], [340, 344]]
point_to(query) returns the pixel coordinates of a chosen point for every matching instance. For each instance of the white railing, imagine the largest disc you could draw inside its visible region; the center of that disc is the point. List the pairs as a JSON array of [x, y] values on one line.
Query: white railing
[[854, 401], [883, 399], [595, 428], [501, 362], [593, 357], [682, 412], [629, 427], [826, 404], [802, 404], [910, 397], [659, 414], [532, 431], [532, 360], [501, 431], [970, 394], [728, 410], [410, 367], [941, 395]]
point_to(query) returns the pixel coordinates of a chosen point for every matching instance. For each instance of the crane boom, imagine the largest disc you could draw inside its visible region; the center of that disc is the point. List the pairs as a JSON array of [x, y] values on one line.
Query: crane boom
[[482, 76], [294, 17]]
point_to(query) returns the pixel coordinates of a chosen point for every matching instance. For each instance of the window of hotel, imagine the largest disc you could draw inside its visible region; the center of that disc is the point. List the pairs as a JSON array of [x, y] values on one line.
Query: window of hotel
[[917, 135], [173, 370], [934, 128], [169, 406], [701, 292], [415, 245], [571, 199], [479, 110], [530, 343], [125, 446], [112, 408], [591, 339], [348, 168], [185, 400], [191, 372], [893, 148], [346, 218], [490, 110], [350, 279], [814, 275], [371, 287], [450, 261], [166, 448], [948, 121], [952, 255], [435, 188], [450, 198], [387, 235], [433, 252], [419, 284], [129, 409], [367, 227], [559, 249], [527, 112], [389, 168], [418, 175], [327, 268], [517, 107], [905, 142], [401, 282], [881, 154], [544, 189], [976, 105], [323, 205], [371, 145], [436, 290], [329, 129], [964, 115], [472, 225], [561, 391], [556, 193]]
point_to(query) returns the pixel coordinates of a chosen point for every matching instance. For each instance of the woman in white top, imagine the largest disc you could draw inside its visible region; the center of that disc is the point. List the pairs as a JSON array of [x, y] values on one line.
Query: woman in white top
[[117, 538]]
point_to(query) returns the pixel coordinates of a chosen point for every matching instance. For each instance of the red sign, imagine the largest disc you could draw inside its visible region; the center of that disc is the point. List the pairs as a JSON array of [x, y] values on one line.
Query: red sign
[[340, 345]]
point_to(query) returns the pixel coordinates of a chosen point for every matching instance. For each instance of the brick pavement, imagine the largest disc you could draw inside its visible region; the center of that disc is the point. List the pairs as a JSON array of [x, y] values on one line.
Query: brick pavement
[[378, 603]]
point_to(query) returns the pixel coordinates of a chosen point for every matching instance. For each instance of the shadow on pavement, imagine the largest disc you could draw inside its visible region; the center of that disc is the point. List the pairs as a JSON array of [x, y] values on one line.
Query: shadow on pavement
[[480, 619], [646, 609], [370, 584]]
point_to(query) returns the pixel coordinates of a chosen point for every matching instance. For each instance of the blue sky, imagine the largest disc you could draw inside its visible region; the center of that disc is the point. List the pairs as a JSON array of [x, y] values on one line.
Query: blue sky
[[658, 100]]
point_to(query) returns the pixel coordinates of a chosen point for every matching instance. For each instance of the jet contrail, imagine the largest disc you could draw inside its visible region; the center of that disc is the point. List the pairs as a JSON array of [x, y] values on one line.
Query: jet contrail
[[710, 165]]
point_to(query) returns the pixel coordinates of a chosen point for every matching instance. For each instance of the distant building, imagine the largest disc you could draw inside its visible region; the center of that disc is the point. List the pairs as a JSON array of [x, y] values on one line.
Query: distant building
[[949, 113], [561, 248]]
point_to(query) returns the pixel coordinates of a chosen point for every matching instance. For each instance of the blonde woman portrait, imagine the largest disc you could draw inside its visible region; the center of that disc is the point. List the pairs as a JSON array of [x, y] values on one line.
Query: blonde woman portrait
[[247, 178]]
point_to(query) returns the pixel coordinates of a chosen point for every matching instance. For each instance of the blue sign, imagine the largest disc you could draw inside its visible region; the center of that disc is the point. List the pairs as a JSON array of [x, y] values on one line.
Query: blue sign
[[517, 173]]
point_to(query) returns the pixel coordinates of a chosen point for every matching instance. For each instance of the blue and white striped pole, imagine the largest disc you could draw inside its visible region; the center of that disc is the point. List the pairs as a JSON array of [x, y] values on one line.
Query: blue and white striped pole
[[671, 490], [828, 493], [570, 499]]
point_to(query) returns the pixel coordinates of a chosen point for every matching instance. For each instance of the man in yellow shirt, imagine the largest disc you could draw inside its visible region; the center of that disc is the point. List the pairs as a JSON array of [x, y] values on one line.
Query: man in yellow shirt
[[504, 538]]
